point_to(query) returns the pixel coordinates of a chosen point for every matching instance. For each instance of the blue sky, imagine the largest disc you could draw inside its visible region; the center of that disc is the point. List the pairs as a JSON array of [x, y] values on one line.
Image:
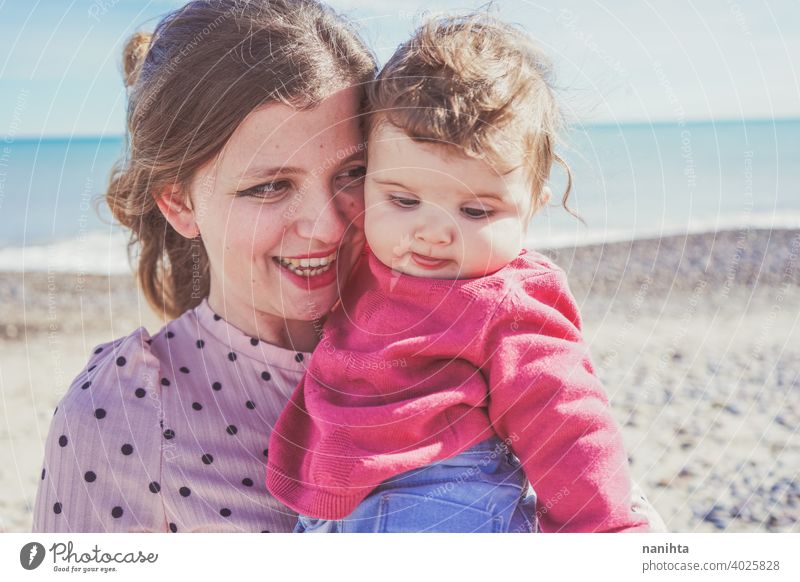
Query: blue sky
[[616, 61]]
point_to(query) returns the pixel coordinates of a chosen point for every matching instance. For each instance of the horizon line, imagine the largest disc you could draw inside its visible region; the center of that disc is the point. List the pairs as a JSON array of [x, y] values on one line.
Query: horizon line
[[586, 124]]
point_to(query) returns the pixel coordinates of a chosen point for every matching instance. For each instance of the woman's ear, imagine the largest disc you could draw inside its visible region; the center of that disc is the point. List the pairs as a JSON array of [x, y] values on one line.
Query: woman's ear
[[176, 209]]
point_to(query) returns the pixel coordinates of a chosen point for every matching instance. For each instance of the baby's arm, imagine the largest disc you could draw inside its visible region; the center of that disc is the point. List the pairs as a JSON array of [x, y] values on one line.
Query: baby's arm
[[545, 399]]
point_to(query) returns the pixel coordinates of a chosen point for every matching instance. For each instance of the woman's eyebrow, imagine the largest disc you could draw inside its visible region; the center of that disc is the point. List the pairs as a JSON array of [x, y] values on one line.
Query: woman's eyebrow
[[357, 155], [259, 171]]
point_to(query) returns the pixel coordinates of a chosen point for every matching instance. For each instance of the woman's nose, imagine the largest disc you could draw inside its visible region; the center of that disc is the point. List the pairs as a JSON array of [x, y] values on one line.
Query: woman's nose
[[322, 217]]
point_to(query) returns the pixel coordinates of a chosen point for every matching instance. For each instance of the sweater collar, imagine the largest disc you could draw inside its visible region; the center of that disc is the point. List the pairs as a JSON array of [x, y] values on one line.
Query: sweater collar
[[395, 283]]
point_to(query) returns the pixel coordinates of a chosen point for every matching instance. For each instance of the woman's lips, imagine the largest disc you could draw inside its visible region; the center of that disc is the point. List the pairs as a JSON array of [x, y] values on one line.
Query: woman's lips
[[428, 262], [329, 276]]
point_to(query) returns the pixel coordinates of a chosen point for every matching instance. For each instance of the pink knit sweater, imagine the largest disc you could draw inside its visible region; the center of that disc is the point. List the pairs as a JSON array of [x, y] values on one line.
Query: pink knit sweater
[[413, 370]]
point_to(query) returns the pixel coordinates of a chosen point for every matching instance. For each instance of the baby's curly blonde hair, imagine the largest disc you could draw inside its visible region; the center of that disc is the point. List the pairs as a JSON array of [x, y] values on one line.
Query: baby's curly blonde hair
[[479, 85]]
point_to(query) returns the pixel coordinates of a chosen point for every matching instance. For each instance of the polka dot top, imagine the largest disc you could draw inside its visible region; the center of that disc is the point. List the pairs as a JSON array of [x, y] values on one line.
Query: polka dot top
[[169, 434]]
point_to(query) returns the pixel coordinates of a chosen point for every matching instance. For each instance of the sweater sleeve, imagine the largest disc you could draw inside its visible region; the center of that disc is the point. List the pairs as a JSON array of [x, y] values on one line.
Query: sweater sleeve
[[102, 463], [546, 401]]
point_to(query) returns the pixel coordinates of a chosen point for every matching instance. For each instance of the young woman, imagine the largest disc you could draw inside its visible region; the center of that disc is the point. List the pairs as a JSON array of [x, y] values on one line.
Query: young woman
[[245, 160]]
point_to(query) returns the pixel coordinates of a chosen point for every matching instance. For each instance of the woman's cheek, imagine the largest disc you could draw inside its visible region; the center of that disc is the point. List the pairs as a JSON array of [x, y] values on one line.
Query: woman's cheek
[[352, 207]]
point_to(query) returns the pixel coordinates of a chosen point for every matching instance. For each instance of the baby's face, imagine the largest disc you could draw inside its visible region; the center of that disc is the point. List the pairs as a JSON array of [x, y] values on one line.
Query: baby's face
[[432, 212]]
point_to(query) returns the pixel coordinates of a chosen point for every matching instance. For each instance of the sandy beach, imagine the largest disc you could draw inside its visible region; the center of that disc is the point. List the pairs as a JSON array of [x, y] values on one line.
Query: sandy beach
[[696, 338]]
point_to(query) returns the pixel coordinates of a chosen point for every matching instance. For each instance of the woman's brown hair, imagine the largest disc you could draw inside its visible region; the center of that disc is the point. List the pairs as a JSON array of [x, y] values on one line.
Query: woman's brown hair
[[191, 83]]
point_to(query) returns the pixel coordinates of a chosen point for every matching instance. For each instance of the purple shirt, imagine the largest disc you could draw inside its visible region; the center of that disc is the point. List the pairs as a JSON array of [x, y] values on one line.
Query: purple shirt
[[169, 433]]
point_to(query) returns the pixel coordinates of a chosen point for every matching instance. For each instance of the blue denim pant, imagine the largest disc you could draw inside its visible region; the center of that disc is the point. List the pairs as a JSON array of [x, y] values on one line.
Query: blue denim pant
[[481, 490]]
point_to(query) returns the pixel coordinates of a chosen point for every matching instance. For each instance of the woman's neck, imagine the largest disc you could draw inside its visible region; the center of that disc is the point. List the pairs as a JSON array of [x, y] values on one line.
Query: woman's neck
[[297, 335]]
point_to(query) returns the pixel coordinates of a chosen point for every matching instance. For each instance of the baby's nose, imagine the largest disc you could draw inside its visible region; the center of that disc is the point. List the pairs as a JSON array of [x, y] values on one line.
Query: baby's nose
[[435, 230]]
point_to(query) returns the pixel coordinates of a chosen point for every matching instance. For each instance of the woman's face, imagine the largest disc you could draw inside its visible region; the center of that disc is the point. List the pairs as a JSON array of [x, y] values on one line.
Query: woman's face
[[280, 212]]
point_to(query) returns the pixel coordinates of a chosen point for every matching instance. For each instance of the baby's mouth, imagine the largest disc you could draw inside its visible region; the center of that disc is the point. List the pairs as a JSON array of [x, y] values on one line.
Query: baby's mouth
[[305, 266]]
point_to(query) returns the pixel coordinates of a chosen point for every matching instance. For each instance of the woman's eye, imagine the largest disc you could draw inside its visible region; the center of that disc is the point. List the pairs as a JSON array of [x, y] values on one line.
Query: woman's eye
[[477, 212], [403, 202], [267, 190], [351, 178]]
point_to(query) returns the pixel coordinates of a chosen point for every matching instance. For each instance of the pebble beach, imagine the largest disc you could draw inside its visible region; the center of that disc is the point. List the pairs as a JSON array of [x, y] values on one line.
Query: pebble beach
[[695, 337]]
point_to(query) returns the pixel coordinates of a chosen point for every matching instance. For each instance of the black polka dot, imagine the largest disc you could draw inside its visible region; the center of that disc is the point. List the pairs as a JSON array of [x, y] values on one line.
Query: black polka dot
[[62, 440], [197, 406], [85, 385], [173, 528], [100, 413], [169, 433], [170, 335], [140, 392], [265, 376], [225, 512], [116, 512], [57, 508], [247, 482], [250, 404], [208, 459], [231, 429], [127, 449], [298, 357], [154, 487], [184, 369], [232, 356], [266, 452], [253, 341], [121, 361], [217, 317], [91, 368], [98, 350], [43, 472], [185, 491], [200, 344], [217, 386], [164, 382], [90, 476]]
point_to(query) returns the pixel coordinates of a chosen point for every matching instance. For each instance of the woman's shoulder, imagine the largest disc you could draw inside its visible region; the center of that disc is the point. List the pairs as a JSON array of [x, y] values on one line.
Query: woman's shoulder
[[123, 360], [119, 380], [104, 443]]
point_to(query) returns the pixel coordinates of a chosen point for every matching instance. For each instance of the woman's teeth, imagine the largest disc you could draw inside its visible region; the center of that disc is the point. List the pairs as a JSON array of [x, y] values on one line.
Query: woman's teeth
[[308, 267]]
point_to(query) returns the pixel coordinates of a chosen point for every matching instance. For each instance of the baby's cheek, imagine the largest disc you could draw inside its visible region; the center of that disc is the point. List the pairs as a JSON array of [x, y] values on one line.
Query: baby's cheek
[[500, 245]]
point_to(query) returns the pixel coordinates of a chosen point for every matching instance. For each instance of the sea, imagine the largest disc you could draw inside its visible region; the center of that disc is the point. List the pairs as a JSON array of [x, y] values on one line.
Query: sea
[[630, 181]]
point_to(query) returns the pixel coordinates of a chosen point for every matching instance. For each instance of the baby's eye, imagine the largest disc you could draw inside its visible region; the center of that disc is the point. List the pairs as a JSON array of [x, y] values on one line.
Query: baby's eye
[[268, 190], [351, 178], [477, 212], [403, 202]]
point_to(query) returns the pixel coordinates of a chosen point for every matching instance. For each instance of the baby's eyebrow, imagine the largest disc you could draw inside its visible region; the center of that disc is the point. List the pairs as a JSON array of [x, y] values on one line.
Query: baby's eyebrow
[[492, 195], [391, 183]]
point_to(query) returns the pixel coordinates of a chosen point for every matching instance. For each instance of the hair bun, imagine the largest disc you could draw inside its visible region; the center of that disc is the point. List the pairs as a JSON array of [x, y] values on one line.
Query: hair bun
[[133, 56]]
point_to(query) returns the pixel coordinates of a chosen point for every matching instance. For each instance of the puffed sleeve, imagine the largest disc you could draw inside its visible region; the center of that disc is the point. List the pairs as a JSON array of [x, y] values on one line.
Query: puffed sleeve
[[102, 463], [546, 401]]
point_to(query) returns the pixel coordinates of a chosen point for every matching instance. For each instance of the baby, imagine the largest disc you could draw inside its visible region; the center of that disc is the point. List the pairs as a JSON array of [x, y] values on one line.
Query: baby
[[453, 373]]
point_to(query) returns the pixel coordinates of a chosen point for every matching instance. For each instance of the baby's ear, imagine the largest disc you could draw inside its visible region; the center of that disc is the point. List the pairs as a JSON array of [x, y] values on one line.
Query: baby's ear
[[539, 202], [543, 198], [178, 212]]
